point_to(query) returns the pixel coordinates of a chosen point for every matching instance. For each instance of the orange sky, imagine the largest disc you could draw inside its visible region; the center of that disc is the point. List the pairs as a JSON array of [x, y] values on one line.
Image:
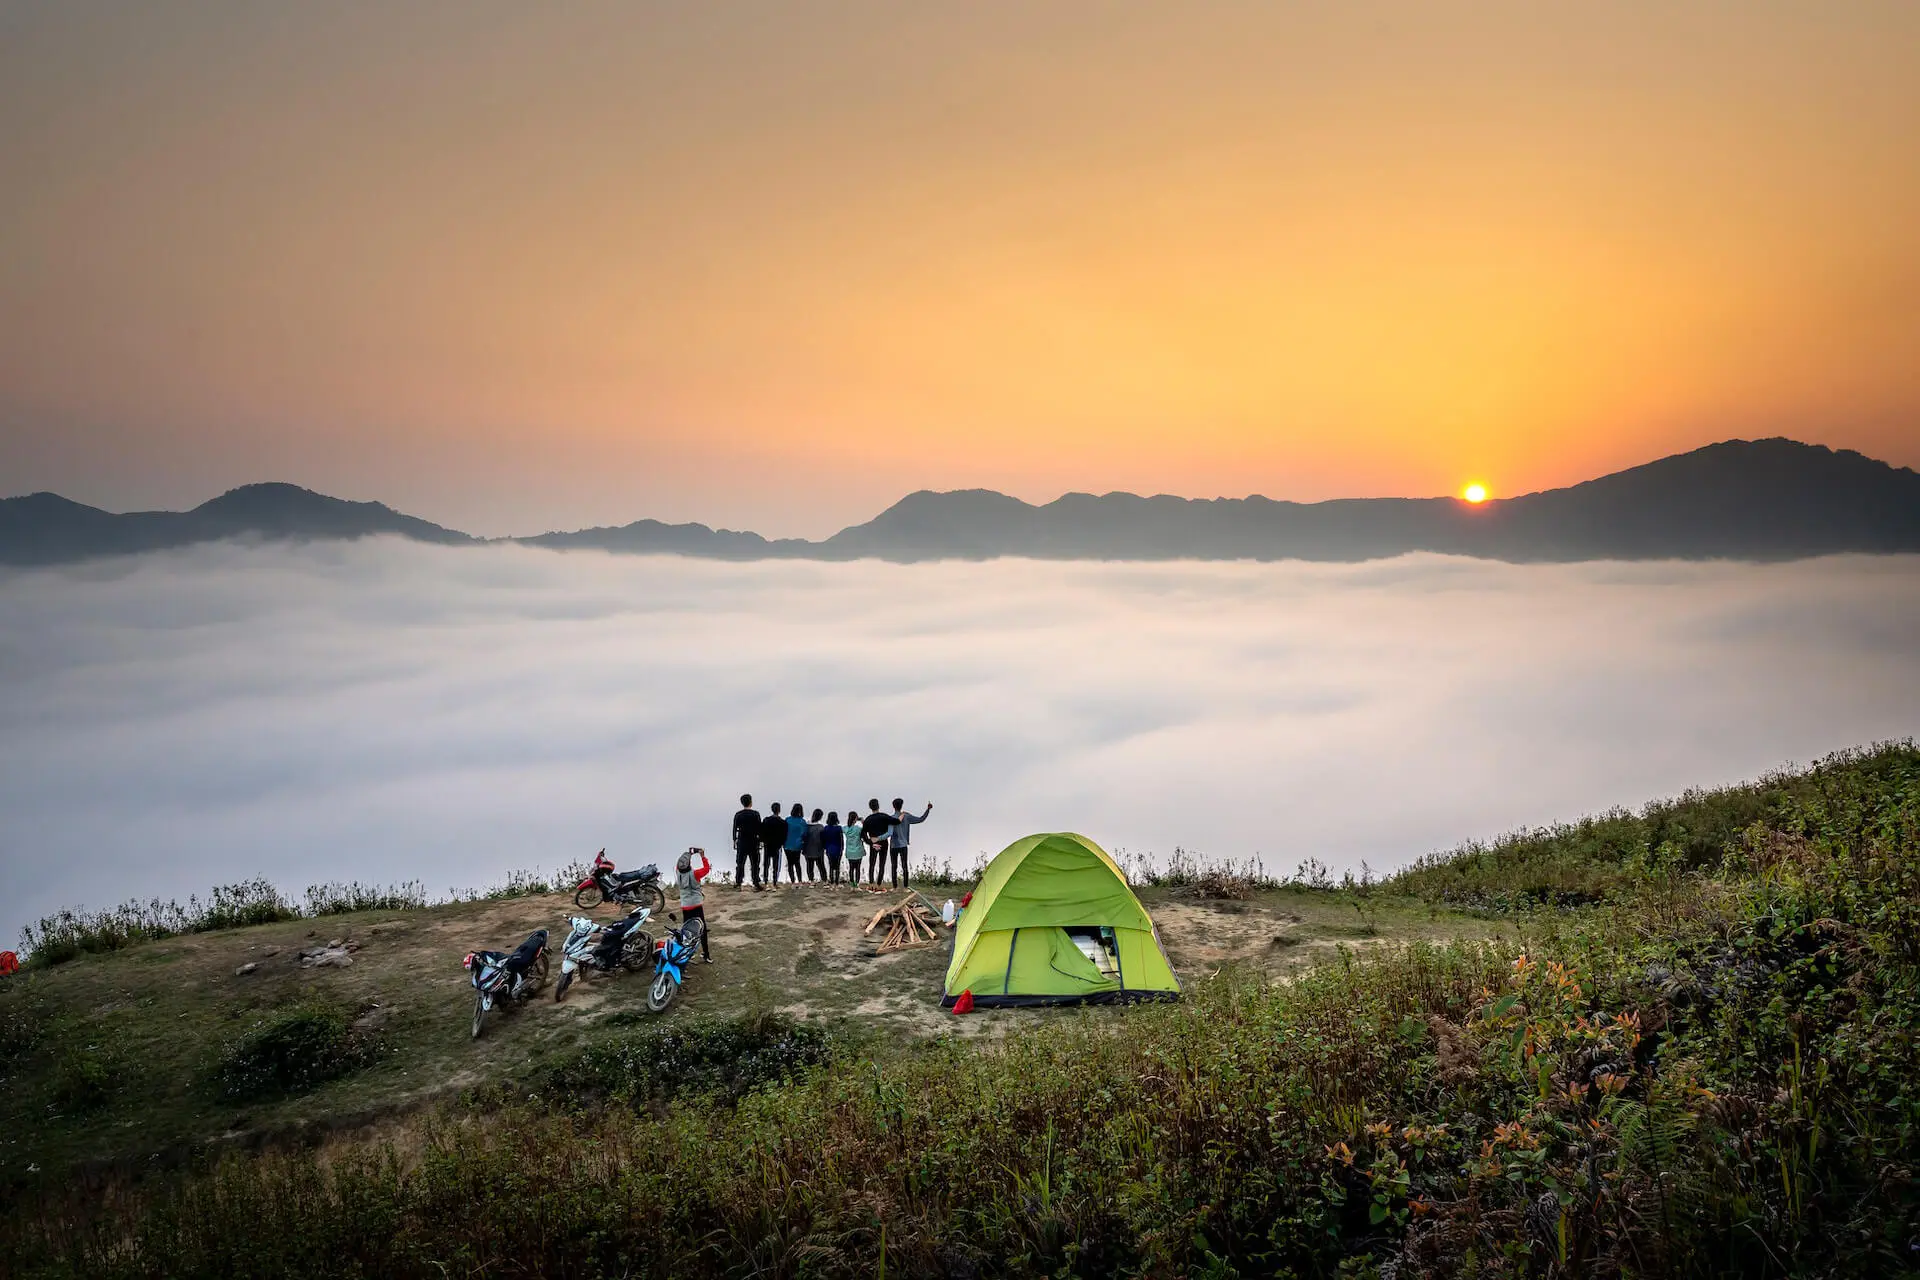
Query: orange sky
[[773, 266]]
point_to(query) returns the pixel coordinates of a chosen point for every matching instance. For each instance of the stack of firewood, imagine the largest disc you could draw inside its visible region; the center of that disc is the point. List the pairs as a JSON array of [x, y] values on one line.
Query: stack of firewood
[[911, 922]]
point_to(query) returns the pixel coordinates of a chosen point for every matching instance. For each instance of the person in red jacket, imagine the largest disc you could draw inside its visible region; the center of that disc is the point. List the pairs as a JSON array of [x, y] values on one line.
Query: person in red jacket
[[693, 898]]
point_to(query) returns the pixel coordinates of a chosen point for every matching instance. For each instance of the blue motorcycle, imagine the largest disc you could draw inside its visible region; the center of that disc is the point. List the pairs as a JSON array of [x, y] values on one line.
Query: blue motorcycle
[[671, 955]]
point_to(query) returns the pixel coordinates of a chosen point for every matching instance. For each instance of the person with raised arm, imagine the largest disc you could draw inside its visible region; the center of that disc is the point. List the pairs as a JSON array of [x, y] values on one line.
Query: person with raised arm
[[897, 839], [693, 898]]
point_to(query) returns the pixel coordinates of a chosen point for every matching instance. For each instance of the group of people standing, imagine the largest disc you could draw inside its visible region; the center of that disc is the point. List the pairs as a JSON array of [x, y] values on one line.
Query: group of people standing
[[815, 848]]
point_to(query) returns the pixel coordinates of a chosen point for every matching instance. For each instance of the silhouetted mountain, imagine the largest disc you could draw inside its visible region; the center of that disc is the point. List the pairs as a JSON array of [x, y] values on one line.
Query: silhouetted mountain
[[653, 537], [45, 528], [1748, 500], [1752, 500]]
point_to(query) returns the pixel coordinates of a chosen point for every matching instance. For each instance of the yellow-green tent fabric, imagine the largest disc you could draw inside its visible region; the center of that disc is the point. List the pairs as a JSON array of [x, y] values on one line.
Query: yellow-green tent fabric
[[1012, 947]]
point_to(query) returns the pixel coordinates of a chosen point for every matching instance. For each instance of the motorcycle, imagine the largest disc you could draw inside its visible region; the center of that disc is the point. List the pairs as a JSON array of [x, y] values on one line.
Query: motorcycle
[[671, 955], [622, 945], [630, 888], [499, 976]]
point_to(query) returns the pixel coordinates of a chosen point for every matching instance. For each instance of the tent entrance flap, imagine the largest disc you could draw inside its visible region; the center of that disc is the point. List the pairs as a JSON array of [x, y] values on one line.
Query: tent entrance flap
[[1096, 943]]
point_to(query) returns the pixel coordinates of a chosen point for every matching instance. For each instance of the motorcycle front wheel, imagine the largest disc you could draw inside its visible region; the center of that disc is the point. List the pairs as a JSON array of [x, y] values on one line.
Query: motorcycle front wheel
[[662, 992], [638, 953], [479, 1014], [560, 992], [588, 896]]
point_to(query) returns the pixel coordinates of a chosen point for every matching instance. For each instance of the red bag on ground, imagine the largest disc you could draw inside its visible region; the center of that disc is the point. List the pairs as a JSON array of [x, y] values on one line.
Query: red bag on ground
[[965, 1003], [9, 963], [966, 899]]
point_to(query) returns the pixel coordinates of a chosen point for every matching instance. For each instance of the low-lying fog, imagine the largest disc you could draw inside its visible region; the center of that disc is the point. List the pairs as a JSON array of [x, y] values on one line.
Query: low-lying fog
[[386, 711]]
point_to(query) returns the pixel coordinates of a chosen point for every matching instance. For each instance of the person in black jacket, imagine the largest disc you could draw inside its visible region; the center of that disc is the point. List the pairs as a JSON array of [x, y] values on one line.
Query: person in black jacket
[[874, 829], [773, 838], [746, 844]]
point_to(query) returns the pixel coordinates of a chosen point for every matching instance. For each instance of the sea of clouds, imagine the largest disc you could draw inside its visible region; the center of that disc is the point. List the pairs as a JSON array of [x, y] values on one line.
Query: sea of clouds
[[387, 711]]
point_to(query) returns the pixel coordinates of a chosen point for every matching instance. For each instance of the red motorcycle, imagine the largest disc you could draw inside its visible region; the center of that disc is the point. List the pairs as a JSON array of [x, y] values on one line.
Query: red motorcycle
[[629, 888]]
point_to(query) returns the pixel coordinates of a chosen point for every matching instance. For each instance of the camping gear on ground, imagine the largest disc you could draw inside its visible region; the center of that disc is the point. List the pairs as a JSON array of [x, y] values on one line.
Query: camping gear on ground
[[671, 955], [498, 976], [621, 945], [965, 1003], [949, 913], [630, 888], [1053, 922], [911, 922]]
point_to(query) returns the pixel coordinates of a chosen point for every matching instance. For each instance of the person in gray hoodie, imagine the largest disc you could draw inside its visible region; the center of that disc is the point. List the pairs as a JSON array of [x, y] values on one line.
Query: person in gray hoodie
[[693, 897], [898, 839]]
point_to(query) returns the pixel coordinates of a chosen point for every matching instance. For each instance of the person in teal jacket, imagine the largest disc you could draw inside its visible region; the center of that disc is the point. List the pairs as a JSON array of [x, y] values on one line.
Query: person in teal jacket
[[796, 837], [856, 847]]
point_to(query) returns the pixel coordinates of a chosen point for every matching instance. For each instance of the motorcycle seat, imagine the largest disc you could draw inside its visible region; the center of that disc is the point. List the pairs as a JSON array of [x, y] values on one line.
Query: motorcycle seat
[[648, 872], [523, 955]]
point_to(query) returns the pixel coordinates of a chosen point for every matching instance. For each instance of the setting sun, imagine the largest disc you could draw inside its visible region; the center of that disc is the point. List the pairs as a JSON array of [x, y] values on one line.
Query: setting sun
[[1475, 493]]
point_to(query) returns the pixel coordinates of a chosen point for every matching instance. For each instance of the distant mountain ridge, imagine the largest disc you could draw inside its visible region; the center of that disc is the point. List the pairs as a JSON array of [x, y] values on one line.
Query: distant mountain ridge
[[45, 528], [1755, 500], [1742, 499], [651, 537]]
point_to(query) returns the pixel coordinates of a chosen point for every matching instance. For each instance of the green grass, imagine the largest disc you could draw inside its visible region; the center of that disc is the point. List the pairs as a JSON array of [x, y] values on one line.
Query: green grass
[[1707, 1069], [1622, 854], [77, 931], [177, 1007]]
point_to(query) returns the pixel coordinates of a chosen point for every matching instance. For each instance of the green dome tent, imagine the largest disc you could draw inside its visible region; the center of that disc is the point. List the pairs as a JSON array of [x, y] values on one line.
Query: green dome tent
[[1053, 922]]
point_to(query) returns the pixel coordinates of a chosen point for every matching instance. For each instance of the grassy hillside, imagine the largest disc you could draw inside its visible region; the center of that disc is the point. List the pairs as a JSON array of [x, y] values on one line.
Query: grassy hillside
[[1620, 854], [1705, 1067], [120, 1058]]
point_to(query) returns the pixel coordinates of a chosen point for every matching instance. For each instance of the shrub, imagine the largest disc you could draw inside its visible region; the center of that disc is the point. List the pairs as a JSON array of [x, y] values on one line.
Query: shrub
[[70, 933], [73, 932], [523, 883], [1205, 877], [23, 1023], [336, 898], [708, 1057], [946, 875], [291, 1053], [85, 1078], [1619, 854], [234, 906], [519, 884]]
